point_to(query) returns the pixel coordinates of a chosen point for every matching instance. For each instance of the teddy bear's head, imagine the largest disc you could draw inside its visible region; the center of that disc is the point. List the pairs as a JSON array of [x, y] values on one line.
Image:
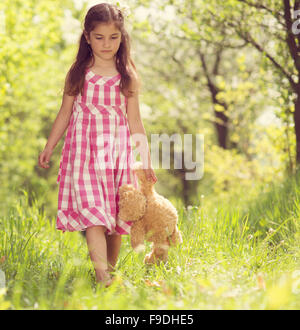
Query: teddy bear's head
[[132, 203]]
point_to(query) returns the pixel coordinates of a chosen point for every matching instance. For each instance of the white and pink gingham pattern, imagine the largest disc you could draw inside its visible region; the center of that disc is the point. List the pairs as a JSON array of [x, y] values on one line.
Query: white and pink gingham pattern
[[96, 159]]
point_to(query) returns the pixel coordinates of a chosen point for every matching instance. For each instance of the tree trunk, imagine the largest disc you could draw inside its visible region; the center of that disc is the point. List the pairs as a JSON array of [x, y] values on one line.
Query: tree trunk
[[297, 127], [221, 128]]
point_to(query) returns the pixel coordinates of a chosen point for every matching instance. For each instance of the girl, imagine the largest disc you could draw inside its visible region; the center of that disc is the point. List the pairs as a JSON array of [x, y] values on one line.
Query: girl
[[100, 108]]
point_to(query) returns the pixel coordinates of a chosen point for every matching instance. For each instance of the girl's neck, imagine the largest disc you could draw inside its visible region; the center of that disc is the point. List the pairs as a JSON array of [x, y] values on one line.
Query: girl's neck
[[103, 65]]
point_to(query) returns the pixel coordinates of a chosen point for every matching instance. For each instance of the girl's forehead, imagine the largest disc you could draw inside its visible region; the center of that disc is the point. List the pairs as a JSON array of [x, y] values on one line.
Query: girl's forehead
[[105, 28]]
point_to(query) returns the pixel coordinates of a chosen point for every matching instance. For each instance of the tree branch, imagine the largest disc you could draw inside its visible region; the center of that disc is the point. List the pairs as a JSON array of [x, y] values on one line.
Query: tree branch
[[247, 37], [258, 5]]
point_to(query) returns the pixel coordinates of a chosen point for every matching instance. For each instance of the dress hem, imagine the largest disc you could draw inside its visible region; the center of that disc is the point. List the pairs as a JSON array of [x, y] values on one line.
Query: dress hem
[[79, 221]]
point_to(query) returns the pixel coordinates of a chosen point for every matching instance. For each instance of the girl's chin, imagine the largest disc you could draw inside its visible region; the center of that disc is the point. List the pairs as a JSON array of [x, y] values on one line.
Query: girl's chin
[[105, 54]]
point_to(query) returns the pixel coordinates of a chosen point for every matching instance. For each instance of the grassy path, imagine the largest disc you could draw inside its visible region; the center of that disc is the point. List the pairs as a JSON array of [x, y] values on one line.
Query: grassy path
[[230, 259]]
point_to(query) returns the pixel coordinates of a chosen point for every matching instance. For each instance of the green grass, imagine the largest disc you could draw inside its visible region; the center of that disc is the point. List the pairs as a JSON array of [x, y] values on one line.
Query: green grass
[[230, 259]]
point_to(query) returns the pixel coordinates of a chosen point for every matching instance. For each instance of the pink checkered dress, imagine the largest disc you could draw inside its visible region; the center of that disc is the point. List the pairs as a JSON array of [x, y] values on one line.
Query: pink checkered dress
[[96, 158]]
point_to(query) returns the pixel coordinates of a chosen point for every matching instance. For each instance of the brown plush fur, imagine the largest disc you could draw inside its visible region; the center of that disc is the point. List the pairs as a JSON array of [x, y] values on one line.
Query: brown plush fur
[[155, 218]]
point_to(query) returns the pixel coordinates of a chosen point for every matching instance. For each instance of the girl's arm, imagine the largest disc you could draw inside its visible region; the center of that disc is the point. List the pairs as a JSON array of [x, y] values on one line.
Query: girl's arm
[[137, 130], [61, 122]]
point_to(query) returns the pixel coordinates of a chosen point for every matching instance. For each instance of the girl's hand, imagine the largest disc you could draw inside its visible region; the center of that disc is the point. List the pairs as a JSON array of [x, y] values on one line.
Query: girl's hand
[[44, 158], [150, 175]]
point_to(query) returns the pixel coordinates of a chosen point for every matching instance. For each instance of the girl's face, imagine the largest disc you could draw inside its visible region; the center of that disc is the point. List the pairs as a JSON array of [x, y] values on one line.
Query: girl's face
[[104, 40]]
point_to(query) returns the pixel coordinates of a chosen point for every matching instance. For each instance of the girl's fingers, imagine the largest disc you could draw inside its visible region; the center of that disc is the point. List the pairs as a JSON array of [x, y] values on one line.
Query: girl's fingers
[[43, 161], [40, 162], [151, 176]]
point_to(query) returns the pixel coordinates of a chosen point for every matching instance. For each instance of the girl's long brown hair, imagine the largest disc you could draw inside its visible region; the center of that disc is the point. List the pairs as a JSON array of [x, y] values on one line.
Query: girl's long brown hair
[[101, 13]]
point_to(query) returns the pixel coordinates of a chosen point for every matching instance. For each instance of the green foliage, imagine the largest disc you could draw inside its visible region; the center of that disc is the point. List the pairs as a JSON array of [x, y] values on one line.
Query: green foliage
[[31, 72], [230, 175]]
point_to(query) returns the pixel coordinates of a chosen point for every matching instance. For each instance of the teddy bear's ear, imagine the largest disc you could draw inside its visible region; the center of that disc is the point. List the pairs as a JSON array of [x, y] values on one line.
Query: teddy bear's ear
[[132, 204], [126, 187]]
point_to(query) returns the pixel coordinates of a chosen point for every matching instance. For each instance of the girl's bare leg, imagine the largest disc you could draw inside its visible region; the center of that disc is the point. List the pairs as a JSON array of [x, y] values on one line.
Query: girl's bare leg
[[113, 249], [96, 241]]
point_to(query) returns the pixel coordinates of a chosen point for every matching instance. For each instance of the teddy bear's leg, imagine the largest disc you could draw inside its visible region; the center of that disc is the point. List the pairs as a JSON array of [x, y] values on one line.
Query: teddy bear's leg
[[159, 253], [149, 258], [137, 234], [162, 251], [176, 237]]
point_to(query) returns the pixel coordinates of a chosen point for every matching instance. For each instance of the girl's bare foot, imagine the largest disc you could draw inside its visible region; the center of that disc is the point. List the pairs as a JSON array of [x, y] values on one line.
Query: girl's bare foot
[[103, 277], [109, 282]]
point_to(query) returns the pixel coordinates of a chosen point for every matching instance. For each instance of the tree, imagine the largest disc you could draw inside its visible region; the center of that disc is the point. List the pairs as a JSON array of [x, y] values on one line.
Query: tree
[[278, 44]]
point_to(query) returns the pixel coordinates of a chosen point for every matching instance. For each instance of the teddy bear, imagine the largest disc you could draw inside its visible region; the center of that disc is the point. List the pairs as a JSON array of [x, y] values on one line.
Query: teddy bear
[[154, 217]]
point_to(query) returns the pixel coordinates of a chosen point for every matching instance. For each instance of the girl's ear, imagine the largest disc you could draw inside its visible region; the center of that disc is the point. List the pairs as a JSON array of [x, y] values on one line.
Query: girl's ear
[[86, 36]]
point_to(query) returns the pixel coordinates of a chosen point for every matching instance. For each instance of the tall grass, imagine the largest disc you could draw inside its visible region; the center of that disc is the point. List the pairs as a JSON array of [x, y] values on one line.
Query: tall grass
[[236, 257]]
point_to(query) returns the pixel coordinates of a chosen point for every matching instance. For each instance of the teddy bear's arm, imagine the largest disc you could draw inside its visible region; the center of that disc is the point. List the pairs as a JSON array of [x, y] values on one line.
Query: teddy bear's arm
[[137, 234]]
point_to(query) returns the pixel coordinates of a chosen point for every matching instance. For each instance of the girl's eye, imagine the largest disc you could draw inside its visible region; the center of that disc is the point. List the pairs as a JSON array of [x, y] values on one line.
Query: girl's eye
[[102, 38]]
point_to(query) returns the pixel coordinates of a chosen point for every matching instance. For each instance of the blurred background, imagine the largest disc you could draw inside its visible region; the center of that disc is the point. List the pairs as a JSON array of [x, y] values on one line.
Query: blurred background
[[225, 69]]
